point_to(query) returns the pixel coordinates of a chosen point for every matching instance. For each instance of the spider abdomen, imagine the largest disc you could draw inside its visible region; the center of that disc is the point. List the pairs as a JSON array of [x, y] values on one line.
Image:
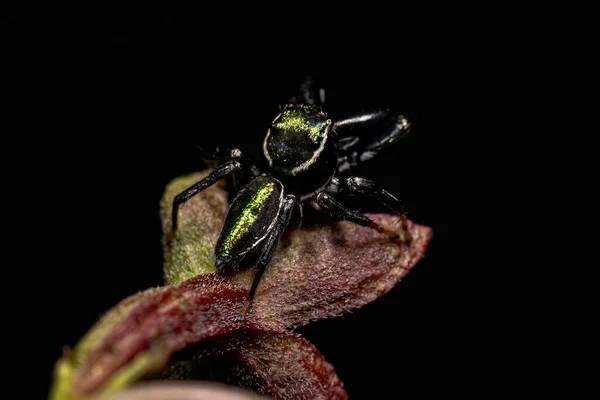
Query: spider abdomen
[[251, 217]]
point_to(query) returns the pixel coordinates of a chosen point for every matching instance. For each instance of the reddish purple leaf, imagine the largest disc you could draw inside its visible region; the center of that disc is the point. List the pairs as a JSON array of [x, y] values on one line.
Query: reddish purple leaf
[[325, 271], [317, 272], [177, 316], [275, 363], [287, 366]]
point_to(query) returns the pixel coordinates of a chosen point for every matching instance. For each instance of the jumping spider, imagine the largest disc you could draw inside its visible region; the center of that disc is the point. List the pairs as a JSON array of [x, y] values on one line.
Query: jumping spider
[[306, 153]]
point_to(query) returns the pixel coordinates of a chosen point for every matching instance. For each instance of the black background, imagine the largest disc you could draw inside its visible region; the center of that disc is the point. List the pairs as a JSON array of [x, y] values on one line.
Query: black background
[[116, 101]]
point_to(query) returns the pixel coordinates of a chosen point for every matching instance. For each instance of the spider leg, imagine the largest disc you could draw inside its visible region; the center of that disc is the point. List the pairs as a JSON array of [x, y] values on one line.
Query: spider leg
[[282, 223], [400, 129], [347, 126], [300, 208], [216, 175], [370, 188], [239, 178], [356, 147], [338, 211]]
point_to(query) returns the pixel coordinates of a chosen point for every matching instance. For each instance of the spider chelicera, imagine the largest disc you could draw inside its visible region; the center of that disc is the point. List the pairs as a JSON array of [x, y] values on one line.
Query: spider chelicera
[[307, 155]]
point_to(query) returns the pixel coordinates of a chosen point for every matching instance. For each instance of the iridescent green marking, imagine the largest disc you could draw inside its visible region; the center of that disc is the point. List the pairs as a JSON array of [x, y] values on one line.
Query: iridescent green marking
[[296, 120], [297, 139], [247, 217]]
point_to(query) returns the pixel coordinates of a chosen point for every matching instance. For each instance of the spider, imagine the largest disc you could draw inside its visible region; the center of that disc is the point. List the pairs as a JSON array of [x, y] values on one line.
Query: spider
[[306, 153]]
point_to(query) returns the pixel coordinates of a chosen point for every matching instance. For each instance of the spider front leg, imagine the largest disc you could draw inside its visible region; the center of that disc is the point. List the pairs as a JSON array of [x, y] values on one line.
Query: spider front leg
[[282, 222], [216, 175], [345, 127], [338, 211], [355, 147], [366, 187]]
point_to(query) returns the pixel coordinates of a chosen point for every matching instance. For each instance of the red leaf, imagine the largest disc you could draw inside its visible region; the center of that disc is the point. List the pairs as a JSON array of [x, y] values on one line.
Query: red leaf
[[289, 367], [276, 363], [177, 316], [330, 269], [317, 272]]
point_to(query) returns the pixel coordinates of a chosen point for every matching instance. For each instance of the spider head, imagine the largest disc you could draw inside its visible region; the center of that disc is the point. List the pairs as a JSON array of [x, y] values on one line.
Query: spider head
[[296, 138]]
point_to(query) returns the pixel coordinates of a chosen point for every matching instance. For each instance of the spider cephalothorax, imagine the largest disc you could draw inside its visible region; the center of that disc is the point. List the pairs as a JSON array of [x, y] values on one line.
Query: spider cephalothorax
[[301, 148], [307, 155]]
